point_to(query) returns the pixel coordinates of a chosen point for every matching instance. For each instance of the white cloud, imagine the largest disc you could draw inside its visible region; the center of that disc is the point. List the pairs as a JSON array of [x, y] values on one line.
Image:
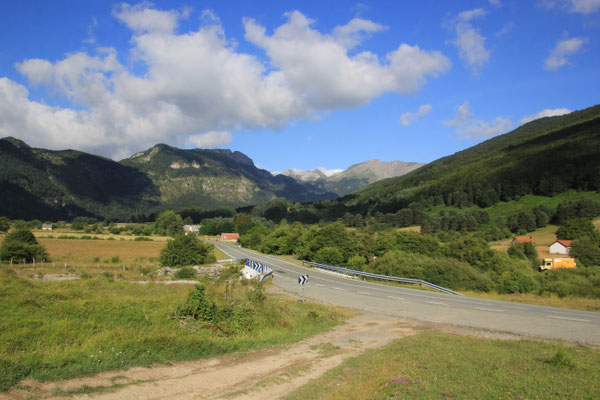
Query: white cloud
[[544, 113], [470, 43], [408, 118], [509, 26], [318, 67], [469, 127], [585, 6], [574, 6], [197, 87], [560, 52], [496, 3], [209, 139]]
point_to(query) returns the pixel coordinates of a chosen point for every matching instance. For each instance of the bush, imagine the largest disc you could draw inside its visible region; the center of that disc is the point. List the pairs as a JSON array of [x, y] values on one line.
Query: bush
[[329, 255], [517, 281], [441, 271], [198, 306], [185, 273], [21, 245], [586, 251], [186, 250]]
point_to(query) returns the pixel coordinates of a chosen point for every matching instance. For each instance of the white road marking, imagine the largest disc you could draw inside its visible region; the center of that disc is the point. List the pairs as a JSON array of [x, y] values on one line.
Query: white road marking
[[368, 294], [488, 309], [435, 302], [395, 298], [568, 318]]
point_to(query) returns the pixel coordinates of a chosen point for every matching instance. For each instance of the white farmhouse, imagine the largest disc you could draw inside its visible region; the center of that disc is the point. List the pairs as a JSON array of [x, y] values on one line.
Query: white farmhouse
[[560, 247]]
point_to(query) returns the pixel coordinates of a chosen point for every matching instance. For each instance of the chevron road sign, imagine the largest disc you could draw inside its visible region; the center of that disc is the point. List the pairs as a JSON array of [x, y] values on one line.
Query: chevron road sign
[[302, 279]]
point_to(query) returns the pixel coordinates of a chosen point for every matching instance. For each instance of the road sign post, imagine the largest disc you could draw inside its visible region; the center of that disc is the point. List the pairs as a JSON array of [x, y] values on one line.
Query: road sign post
[[302, 279]]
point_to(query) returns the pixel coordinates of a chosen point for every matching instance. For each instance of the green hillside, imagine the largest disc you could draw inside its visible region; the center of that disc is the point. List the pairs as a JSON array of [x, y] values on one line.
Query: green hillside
[[53, 185], [544, 157], [215, 178]]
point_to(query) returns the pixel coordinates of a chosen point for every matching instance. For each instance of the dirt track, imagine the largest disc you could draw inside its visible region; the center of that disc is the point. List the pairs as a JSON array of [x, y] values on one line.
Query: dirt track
[[262, 374]]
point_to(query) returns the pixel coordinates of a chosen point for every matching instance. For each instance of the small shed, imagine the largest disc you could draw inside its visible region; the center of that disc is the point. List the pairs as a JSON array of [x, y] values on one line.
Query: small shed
[[47, 227], [191, 229], [561, 247], [230, 236], [523, 239]]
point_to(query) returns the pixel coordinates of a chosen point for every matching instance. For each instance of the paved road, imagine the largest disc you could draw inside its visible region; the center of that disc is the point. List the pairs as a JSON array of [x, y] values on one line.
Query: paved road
[[498, 316]]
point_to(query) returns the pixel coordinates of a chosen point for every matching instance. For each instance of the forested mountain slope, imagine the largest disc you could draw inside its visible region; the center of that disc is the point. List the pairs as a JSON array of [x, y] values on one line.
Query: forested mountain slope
[[545, 157], [52, 185]]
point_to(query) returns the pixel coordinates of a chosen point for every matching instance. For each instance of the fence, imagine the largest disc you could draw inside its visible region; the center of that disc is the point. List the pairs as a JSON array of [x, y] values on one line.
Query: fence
[[355, 272]]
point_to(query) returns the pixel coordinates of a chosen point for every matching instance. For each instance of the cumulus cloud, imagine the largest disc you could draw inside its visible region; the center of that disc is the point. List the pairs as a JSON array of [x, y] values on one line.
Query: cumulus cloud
[[318, 67], [544, 113], [560, 52], [196, 87], [469, 127], [470, 43], [408, 118]]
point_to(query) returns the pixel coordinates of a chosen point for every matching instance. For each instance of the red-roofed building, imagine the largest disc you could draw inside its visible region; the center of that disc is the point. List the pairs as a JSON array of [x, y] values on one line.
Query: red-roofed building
[[561, 247], [523, 239], [230, 236]]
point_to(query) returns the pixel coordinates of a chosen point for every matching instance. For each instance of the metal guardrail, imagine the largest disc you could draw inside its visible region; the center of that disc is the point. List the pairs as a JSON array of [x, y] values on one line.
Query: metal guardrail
[[355, 272]]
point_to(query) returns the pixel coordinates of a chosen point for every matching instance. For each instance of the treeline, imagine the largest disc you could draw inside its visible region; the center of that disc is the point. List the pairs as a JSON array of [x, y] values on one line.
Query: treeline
[[461, 262]]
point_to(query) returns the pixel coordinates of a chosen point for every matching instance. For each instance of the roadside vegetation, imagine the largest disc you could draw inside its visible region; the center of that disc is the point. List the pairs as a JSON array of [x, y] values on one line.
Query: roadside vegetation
[[437, 366], [58, 330]]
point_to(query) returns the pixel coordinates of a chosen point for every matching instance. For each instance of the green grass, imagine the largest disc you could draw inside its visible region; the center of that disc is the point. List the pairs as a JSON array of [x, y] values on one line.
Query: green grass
[[59, 330], [437, 366]]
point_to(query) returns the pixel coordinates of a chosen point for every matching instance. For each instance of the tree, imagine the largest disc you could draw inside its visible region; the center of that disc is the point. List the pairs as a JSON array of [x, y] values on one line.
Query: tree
[[168, 223], [22, 245], [186, 250], [586, 252], [577, 228], [4, 224]]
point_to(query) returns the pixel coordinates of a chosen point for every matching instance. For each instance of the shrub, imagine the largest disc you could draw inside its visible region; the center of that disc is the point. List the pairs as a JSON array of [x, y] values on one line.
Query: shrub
[[442, 271], [329, 255], [586, 252], [186, 250], [517, 281], [357, 262], [185, 273], [21, 244], [198, 306]]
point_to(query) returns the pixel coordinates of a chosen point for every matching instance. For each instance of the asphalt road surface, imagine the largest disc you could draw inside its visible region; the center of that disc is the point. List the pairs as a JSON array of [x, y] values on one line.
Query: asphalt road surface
[[496, 316]]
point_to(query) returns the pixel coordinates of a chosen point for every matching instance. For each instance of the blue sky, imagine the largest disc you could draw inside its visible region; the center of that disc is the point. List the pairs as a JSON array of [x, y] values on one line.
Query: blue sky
[[292, 84]]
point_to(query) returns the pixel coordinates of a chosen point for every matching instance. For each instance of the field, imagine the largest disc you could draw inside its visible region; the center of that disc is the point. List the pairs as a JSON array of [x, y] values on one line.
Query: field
[[436, 366], [58, 330]]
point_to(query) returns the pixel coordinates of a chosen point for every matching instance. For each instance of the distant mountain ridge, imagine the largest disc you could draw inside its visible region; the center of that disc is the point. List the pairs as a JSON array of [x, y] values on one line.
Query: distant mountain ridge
[[47, 184], [354, 177]]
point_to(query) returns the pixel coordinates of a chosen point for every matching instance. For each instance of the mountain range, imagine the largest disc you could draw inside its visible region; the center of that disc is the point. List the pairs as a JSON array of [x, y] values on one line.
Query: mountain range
[[53, 185], [355, 177]]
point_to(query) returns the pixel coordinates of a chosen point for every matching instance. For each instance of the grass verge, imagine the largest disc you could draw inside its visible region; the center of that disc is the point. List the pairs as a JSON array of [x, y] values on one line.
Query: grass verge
[[59, 330], [437, 366]]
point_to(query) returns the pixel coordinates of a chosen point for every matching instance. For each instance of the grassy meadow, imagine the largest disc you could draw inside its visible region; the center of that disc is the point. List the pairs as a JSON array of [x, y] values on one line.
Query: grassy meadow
[[58, 330], [437, 366]]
